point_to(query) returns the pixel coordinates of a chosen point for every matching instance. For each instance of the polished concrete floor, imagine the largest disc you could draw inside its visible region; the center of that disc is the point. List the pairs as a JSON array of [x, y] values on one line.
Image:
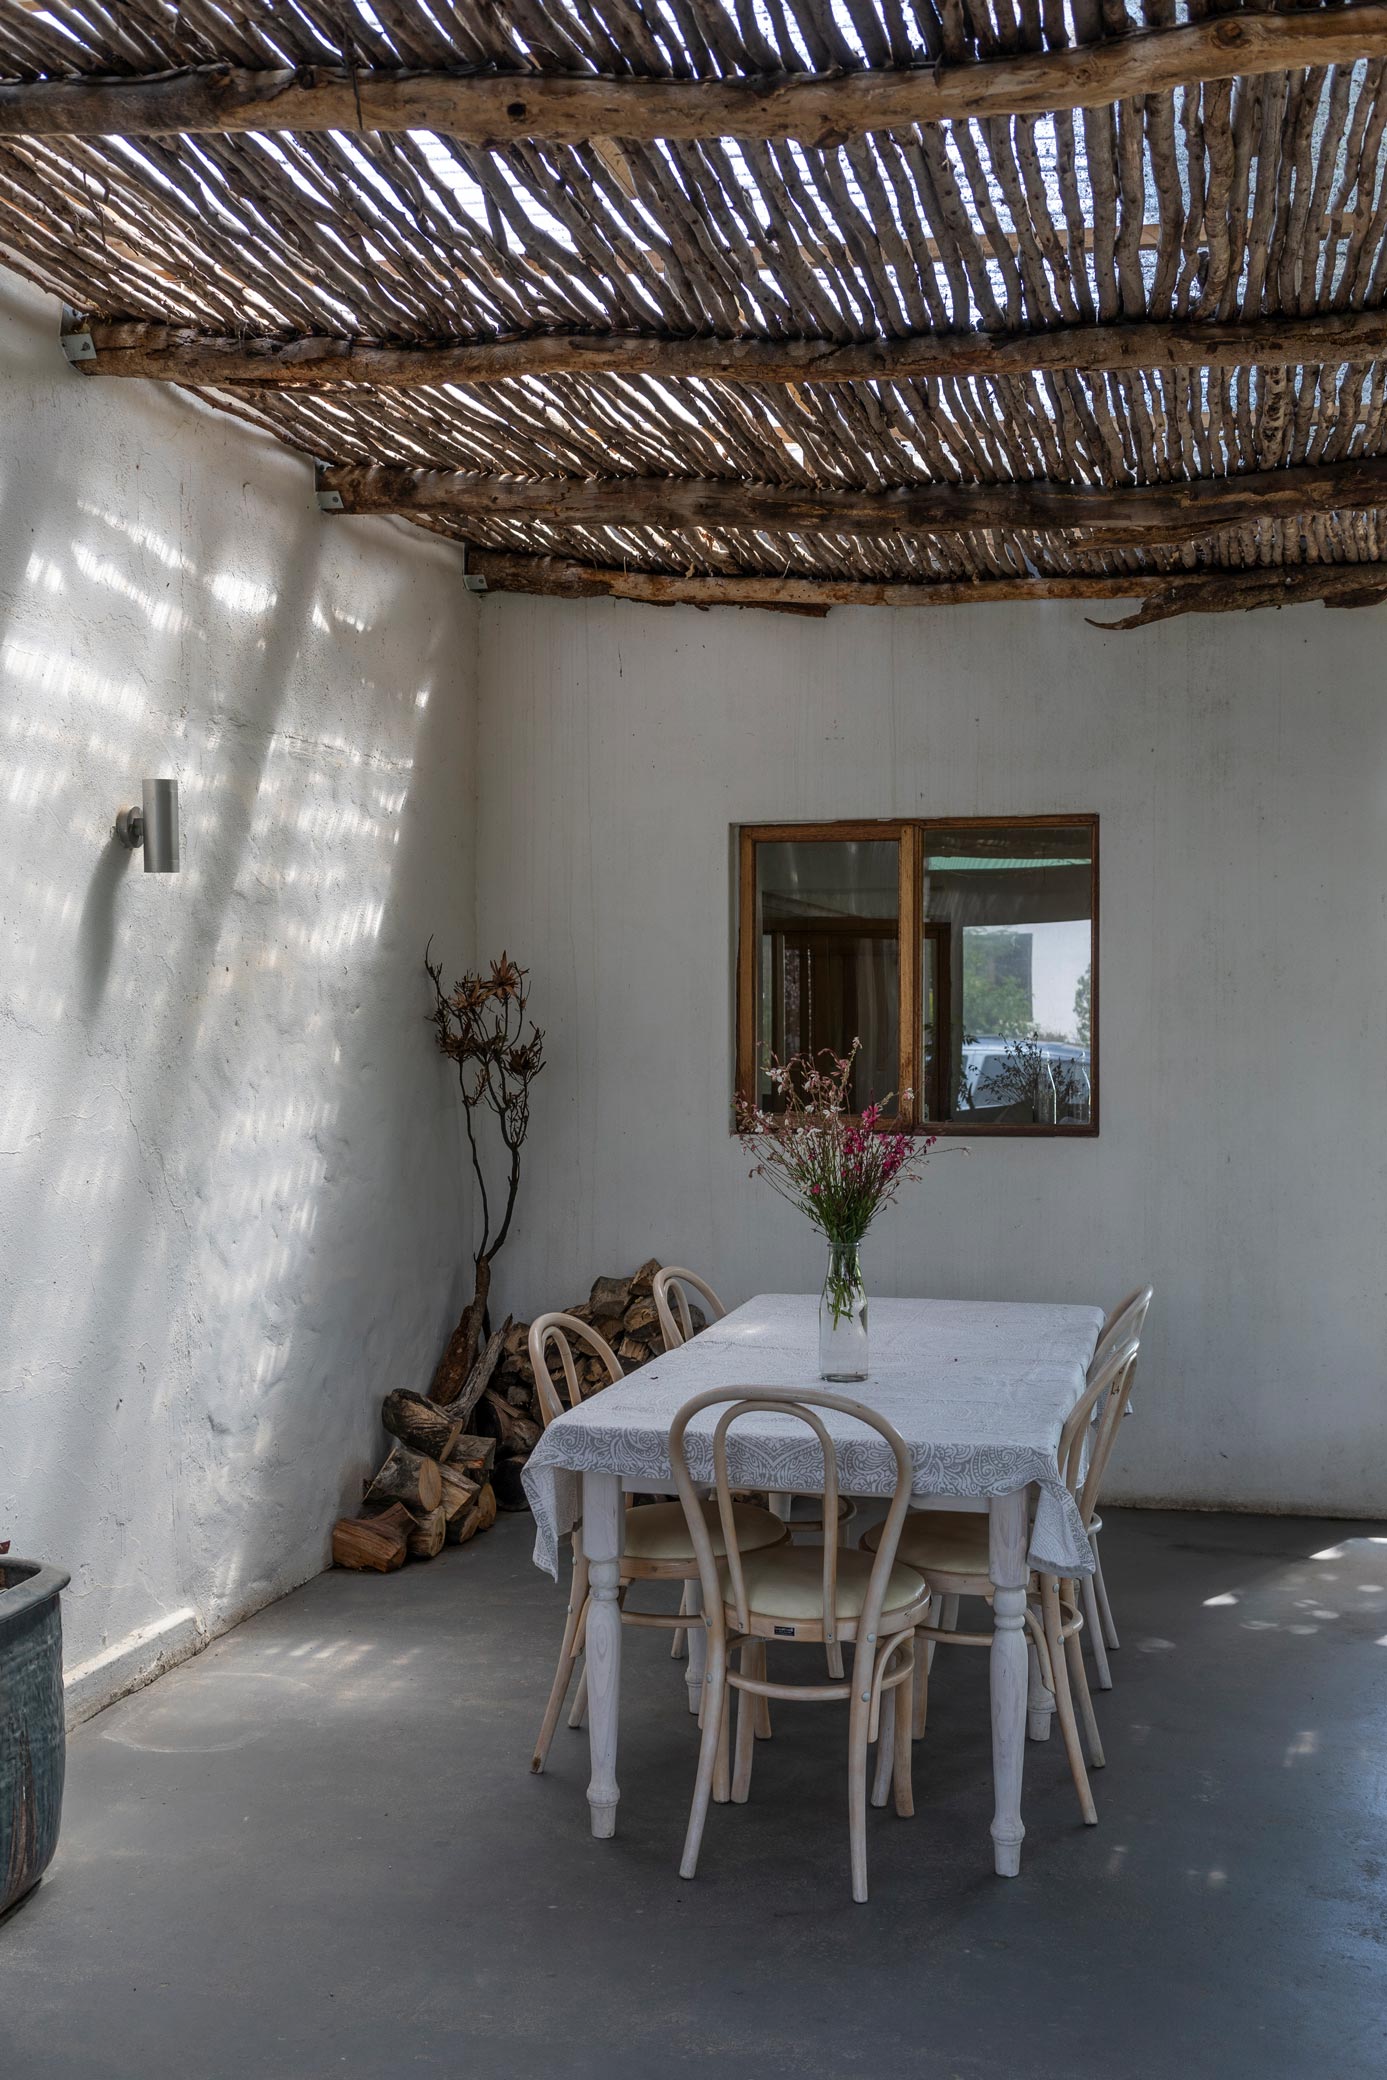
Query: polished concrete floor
[[317, 1851]]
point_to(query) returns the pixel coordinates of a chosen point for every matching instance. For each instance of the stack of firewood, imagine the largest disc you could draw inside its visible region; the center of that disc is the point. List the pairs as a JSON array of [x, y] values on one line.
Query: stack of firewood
[[455, 1462], [435, 1485], [622, 1311]]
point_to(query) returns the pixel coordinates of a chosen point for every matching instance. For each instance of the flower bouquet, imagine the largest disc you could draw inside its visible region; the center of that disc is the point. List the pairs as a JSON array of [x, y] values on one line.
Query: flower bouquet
[[839, 1169]]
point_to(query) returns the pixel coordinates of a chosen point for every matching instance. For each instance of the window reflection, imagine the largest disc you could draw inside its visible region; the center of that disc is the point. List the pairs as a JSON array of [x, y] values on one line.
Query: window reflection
[[1007, 1013], [959, 956], [829, 936]]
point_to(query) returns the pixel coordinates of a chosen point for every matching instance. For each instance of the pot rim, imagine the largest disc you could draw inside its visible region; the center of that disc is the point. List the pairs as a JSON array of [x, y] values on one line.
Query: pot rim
[[38, 1584]]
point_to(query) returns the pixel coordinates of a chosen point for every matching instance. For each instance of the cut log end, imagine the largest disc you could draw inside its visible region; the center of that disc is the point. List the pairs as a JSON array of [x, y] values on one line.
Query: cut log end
[[459, 1492], [425, 1538], [407, 1477], [480, 1517], [380, 1542], [420, 1423]]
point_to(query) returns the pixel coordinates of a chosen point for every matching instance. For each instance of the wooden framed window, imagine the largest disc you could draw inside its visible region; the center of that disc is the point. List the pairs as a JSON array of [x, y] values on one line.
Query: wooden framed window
[[963, 955]]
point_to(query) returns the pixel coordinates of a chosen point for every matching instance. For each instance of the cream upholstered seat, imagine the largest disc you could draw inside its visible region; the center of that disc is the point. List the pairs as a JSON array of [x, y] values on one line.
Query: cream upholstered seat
[[950, 1541], [805, 1595], [660, 1531], [787, 1582], [656, 1541]]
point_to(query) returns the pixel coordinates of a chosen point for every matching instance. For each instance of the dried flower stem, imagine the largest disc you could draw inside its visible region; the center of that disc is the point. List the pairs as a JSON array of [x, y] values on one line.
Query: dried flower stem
[[838, 1169]]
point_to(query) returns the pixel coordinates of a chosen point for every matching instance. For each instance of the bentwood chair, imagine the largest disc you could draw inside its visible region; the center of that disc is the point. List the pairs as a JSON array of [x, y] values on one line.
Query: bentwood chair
[[1126, 1320], [950, 1549], [671, 1290], [655, 1543], [823, 1595], [671, 1295]]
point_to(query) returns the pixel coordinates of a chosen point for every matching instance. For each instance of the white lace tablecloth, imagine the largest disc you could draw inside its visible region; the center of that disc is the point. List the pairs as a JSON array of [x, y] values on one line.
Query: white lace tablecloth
[[979, 1391]]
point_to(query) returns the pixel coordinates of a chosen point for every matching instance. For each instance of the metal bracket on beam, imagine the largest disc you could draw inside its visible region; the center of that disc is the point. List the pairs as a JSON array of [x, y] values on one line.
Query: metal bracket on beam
[[77, 343], [473, 580], [328, 501]]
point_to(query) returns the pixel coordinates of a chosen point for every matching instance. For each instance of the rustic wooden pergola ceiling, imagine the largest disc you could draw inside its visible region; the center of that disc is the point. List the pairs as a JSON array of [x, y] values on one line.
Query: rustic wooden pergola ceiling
[[776, 302]]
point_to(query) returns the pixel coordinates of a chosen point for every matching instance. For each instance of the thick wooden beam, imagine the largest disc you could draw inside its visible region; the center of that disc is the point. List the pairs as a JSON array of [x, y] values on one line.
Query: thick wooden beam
[[1140, 516], [484, 108], [1204, 592], [180, 354]]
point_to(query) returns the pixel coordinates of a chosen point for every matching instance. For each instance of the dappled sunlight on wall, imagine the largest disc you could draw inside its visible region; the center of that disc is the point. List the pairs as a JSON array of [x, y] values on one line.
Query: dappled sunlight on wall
[[230, 1198]]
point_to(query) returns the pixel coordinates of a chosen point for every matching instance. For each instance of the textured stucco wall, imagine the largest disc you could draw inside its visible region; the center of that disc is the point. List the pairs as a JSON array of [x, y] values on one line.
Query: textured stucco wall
[[1239, 765], [231, 1202]]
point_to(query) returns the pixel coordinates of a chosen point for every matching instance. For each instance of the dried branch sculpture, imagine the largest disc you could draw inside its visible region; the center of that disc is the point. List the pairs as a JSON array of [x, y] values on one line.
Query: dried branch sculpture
[[480, 1026]]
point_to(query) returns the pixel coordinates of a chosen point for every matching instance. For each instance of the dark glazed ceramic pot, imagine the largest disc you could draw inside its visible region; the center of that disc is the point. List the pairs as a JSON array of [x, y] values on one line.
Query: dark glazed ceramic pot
[[32, 1745]]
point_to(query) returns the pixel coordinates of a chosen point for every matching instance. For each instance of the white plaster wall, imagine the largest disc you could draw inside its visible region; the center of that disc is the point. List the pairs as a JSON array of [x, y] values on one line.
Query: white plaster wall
[[1239, 766], [231, 1203]]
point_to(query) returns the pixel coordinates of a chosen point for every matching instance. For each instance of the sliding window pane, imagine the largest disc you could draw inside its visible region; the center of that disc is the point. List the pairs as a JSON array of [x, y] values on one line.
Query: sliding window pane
[[828, 932], [1008, 967]]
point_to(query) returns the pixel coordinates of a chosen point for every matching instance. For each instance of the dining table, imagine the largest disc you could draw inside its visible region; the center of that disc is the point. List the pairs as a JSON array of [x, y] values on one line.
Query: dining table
[[979, 1391]]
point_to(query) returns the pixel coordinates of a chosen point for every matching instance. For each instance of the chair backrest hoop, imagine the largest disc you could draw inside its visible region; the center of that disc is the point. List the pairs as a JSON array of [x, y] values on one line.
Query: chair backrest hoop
[[803, 1405], [1105, 1393], [563, 1331], [670, 1287], [1127, 1319]]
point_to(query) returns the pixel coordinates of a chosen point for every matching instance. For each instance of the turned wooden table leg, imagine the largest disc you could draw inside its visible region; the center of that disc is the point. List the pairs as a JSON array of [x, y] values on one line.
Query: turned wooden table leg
[[1008, 1536], [602, 1531], [698, 1646]]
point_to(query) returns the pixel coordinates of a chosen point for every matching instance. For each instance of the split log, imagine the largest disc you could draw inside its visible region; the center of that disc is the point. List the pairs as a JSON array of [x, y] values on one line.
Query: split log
[[379, 1542], [641, 1319], [480, 1517], [643, 1283], [419, 1423], [473, 1456], [450, 1376], [609, 1299], [425, 1539], [459, 1492], [407, 1477], [632, 1352], [460, 1409], [516, 1433]]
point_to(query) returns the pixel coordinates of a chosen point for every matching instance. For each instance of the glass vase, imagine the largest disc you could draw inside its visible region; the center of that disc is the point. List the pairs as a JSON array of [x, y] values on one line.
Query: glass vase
[[843, 1317]]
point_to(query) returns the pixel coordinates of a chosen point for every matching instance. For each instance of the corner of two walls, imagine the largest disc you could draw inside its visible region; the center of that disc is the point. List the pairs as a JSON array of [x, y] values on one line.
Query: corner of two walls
[[233, 1209]]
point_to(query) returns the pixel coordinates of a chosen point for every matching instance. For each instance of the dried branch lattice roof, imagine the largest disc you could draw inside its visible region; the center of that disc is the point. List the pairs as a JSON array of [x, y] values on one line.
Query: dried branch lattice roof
[[1108, 295]]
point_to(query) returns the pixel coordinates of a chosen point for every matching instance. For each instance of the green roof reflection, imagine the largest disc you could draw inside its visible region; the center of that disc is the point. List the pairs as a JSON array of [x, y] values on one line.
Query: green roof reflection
[[973, 864]]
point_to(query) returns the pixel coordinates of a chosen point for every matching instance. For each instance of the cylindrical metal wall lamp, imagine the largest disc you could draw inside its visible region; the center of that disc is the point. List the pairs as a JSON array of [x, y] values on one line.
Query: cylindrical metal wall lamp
[[155, 826]]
